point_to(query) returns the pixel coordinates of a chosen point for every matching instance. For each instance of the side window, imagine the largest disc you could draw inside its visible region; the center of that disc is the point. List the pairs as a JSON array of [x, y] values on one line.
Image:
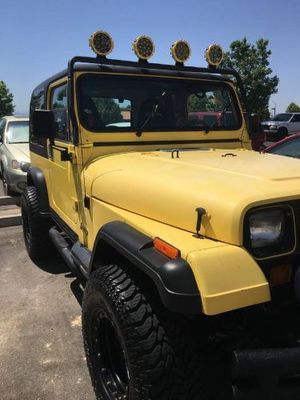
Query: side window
[[2, 126], [37, 103], [59, 102], [296, 118]]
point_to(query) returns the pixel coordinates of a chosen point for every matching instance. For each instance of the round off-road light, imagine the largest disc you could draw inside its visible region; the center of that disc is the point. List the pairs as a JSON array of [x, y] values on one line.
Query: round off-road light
[[214, 55], [144, 48], [101, 43], [180, 51]]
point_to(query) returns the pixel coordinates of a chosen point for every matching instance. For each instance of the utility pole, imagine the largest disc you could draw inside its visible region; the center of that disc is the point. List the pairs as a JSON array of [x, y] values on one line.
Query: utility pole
[[274, 109]]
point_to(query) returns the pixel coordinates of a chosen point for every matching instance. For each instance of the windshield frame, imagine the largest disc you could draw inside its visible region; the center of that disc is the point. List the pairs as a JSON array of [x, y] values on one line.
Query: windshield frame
[[160, 79]]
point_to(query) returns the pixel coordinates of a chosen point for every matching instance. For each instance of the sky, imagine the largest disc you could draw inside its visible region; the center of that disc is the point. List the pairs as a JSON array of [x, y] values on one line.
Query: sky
[[37, 38]]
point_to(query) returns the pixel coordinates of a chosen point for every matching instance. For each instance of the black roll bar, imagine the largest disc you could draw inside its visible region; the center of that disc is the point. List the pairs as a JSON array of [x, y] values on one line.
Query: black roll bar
[[102, 60]]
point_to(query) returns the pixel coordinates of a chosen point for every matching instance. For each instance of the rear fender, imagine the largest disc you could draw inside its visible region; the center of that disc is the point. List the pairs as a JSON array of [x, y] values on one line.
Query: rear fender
[[35, 177]]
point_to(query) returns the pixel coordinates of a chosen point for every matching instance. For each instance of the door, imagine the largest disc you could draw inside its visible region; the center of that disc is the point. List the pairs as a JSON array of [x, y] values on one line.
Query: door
[[64, 172], [295, 124]]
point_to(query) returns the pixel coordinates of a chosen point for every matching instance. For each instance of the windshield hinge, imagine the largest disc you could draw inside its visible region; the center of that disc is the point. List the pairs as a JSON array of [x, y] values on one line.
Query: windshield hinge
[[87, 202]]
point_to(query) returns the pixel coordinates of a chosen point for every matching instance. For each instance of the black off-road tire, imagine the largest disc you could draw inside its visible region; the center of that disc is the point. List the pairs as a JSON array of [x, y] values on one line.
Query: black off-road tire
[[35, 227], [136, 350]]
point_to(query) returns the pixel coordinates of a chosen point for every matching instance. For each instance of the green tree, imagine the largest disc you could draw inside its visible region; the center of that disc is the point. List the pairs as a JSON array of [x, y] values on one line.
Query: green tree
[[293, 107], [6, 100], [252, 63], [110, 111]]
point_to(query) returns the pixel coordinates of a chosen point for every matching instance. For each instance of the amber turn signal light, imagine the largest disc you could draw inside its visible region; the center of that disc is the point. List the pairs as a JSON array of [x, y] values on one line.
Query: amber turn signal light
[[166, 248], [280, 275]]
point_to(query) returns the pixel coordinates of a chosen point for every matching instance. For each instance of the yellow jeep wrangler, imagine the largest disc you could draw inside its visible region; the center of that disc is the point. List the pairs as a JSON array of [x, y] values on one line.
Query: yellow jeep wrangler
[[143, 177]]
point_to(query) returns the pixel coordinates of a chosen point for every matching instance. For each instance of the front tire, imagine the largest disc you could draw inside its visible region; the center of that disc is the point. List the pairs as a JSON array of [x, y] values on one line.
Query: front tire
[[35, 227], [136, 350]]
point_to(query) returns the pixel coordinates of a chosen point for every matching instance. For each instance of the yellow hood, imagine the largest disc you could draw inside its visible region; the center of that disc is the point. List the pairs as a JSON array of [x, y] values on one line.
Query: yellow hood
[[226, 183]]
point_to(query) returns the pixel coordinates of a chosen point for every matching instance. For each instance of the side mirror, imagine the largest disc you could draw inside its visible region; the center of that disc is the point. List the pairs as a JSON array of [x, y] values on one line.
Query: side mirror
[[43, 125], [253, 125]]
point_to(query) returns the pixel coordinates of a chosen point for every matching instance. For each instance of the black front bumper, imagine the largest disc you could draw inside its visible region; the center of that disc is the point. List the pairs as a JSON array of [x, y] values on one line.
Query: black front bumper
[[266, 374]]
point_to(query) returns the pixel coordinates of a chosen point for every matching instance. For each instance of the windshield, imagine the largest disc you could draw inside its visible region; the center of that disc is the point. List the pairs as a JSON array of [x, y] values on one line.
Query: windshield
[[282, 117], [18, 132], [290, 148], [155, 104]]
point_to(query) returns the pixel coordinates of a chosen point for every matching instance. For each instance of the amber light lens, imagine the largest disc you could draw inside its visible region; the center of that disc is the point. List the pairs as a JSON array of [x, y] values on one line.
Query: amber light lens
[[166, 248], [280, 275]]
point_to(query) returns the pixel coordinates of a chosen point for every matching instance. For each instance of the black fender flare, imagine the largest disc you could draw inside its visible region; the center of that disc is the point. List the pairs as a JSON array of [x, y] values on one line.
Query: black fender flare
[[35, 177], [174, 279]]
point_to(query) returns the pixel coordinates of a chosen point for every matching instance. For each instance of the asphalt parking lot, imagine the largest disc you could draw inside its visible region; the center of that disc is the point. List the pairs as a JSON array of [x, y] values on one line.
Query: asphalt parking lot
[[41, 351]]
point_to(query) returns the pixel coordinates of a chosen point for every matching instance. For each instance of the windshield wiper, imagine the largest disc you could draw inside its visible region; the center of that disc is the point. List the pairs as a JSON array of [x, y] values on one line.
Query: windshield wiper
[[151, 115]]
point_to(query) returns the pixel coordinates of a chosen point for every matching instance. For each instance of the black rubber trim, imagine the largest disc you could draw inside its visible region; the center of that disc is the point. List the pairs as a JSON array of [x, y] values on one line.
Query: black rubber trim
[[72, 236], [35, 177], [173, 279], [160, 142], [39, 148]]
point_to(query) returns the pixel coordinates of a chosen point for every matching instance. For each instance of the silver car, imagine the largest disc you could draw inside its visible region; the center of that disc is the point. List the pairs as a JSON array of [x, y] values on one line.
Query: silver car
[[281, 125], [14, 151]]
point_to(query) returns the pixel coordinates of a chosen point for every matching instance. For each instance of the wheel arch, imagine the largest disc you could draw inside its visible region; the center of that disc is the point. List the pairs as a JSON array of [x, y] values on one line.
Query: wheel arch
[[36, 178], [173, 279]]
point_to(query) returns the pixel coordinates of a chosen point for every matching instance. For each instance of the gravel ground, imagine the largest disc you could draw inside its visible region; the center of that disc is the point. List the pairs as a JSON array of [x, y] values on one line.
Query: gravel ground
[[41, 351]]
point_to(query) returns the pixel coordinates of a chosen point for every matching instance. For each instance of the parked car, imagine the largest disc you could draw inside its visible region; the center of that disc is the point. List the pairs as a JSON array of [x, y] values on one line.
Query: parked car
[[289, 146], [281, 125], [14, 151]]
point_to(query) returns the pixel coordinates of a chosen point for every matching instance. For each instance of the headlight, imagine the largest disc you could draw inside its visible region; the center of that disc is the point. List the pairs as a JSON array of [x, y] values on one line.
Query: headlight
[[270, 231], [273, 126], [143, 47], [15, 164], [266, 227]]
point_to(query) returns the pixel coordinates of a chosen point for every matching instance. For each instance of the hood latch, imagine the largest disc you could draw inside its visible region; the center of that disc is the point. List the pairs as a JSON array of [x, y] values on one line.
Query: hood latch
[[200, 213]]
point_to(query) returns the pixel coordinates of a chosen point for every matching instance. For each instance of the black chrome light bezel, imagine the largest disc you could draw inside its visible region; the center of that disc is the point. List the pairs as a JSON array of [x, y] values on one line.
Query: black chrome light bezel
[[288, 238], [101, 43], [210, 54], [143, 47], [180, 51]]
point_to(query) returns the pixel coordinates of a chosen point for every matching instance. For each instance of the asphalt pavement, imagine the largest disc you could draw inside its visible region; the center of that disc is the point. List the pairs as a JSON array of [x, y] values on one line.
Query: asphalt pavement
[[41, 350]]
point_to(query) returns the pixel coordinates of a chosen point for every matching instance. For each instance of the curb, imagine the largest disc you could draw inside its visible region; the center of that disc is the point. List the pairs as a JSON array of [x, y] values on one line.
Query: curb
[[9, 218]]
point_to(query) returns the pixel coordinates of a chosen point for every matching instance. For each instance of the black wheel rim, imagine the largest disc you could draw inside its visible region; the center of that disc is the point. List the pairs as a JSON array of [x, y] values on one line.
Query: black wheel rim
[[111, 364]]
